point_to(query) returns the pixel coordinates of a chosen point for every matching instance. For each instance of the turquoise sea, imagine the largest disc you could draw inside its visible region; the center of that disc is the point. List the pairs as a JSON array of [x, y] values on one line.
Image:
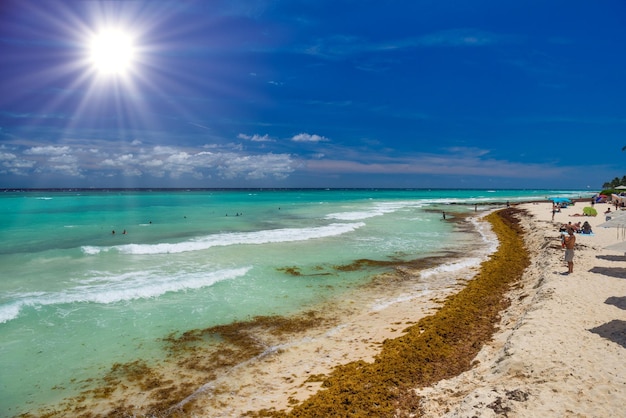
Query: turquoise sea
[[76, 298]]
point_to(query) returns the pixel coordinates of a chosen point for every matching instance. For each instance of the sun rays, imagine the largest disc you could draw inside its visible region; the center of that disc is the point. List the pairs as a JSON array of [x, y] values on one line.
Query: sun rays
[[112, 52]]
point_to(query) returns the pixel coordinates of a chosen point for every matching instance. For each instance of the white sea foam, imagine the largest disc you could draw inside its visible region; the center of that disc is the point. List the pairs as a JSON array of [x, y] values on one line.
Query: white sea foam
[[487, 235], [377, 210], [234, 238], [111, 290], [10, 311], [462, 264], [91, 250], [490, 245], [353, 216], [384, 304]]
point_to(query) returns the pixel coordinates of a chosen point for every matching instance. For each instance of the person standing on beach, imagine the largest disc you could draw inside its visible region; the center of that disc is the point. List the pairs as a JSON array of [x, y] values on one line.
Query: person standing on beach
[[568, 243]]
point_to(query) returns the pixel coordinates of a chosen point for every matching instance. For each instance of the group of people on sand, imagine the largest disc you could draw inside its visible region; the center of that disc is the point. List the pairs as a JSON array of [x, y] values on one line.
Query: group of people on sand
[[568, 239], [585, 228]]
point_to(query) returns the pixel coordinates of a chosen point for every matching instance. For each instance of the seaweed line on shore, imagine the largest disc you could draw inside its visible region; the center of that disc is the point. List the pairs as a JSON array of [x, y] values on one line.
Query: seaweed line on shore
[[439, 346]]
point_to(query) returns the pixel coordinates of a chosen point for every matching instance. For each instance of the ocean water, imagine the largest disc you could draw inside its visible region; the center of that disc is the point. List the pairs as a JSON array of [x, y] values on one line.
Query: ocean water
[[76, 298]]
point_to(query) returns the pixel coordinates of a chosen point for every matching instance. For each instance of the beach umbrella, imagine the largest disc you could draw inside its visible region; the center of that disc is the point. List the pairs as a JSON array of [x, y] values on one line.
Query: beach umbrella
[[620, 246], [589, 211], [620, 188], [619, 223], [560, 200], [616, 221]]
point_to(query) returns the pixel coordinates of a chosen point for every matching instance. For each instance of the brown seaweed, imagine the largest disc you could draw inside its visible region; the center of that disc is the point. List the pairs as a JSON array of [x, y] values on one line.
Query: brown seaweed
[[439, 346]]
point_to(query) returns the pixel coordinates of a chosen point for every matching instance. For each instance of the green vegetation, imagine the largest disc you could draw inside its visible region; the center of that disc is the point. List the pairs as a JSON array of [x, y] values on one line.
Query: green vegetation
[[614, 183]]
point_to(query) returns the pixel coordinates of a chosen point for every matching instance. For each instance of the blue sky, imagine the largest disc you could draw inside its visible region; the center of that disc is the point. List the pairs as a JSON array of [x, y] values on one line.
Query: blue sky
[[315, 93]]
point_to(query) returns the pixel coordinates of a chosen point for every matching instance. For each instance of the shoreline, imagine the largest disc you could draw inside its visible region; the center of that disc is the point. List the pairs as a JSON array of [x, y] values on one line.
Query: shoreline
[[561, 347], [274, 369], [438, 346], [534, 364]]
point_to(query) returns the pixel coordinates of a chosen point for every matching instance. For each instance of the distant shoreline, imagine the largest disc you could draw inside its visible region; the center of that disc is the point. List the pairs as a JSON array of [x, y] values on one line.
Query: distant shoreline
[[160, 189]]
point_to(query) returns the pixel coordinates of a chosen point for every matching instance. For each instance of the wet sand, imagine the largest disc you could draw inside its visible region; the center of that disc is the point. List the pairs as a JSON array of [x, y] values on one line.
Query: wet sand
[[274, 362]]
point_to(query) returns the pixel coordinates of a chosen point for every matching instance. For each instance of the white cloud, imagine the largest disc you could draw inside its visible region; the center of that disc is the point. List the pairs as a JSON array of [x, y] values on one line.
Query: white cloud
[[64, 159], [119, 161], [10, 163], [67, 169], [256, 138], [304, 137], [254, 167], [47, 150], [132, 172], [103, 159], [170, 161], [7, 156], [178, 158], [164, 150], [153, 163], [109, 162]]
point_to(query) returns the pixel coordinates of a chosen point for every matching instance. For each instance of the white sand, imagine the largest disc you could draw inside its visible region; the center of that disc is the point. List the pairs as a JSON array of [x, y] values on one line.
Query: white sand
[[561, 351]]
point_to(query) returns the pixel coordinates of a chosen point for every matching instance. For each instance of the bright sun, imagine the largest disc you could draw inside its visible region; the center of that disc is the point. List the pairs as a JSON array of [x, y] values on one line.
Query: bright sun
[[112, 52]]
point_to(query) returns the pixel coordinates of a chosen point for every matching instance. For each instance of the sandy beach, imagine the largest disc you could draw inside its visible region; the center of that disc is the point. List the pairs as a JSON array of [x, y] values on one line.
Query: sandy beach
[[561, 349]]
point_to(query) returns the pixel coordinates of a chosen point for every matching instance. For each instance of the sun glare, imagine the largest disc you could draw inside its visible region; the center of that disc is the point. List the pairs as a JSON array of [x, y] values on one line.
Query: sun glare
[[112, 52]]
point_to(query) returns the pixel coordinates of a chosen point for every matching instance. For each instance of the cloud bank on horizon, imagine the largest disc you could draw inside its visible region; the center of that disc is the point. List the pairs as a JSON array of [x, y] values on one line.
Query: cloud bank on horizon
[[312, 94]]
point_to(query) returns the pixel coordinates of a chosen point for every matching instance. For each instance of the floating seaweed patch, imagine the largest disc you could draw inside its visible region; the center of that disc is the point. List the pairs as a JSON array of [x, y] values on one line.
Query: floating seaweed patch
[[364, 263], [294, 271]]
